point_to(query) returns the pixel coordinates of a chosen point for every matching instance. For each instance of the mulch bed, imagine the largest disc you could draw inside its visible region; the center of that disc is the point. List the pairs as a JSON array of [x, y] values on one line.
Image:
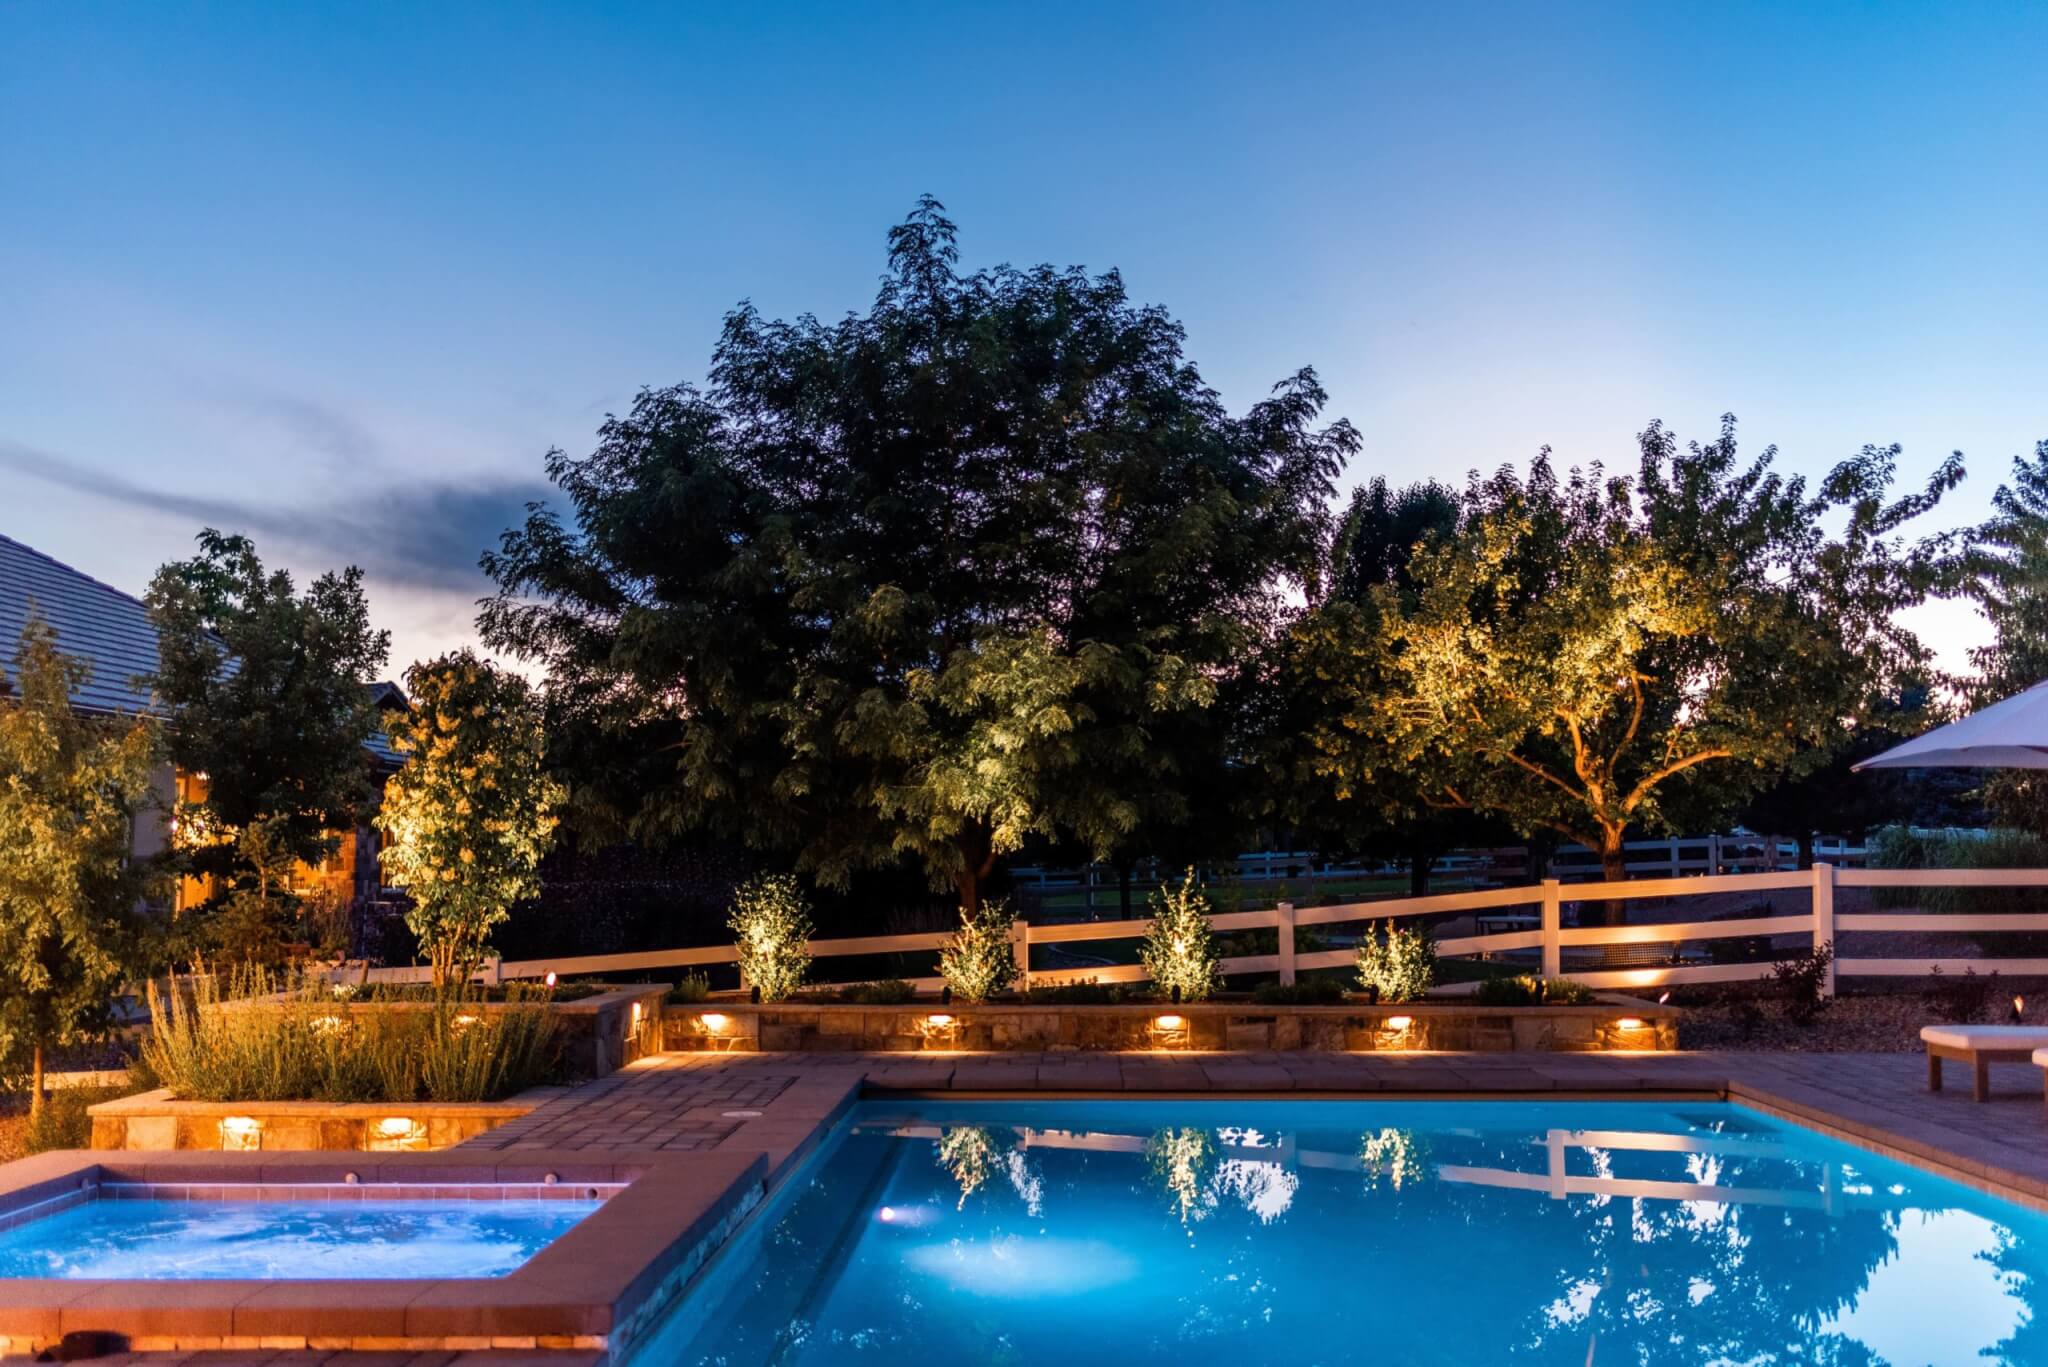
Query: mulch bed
[[1880, 1020]]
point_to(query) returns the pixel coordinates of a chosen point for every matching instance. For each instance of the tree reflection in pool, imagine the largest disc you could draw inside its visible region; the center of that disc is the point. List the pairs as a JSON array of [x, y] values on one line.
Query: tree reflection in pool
[[1303, 1232]]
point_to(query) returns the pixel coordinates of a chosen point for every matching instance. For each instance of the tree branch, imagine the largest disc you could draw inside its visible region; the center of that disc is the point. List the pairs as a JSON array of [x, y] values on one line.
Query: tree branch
[[1642, 790]]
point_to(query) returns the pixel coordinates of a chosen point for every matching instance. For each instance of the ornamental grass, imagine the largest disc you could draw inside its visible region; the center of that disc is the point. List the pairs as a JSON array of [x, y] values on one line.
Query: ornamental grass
[[251, 1039]]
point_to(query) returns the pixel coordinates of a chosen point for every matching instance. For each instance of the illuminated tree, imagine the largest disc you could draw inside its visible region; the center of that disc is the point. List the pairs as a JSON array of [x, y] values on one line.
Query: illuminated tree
[[472, 811], [974, 565], [771, 926], [2008, 576], [70, 890], [977, 961], [1583, 649], [1179, 949]]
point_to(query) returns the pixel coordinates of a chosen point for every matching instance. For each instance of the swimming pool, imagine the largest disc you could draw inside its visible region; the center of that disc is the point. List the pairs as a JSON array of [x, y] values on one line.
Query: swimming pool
[[1397, 1232], [154, 1238]]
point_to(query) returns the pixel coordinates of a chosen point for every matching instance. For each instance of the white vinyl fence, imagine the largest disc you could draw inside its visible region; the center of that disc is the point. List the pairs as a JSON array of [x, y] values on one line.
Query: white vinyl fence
[[1533, 916]]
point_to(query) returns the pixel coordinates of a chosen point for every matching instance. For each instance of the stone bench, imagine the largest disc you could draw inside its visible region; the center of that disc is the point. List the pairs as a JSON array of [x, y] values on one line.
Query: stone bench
[[1980, 1046]]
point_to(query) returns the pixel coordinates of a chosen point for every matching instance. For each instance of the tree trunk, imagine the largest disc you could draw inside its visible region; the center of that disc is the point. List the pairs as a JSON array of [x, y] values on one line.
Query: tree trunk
[[1123, 889], [1419, 862], [35, 1084], [1613, 869], [968, 883]]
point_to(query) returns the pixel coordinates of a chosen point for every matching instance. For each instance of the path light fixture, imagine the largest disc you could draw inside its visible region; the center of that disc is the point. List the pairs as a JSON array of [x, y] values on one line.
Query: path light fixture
[[755, 996], [2019, 1008], [946, 996]]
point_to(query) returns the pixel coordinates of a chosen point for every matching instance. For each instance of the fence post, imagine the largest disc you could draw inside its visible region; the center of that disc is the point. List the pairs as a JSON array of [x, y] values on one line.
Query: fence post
[[1713, 854], [1020, 949], [1824, 918], [1286, 911], [1552, 921]]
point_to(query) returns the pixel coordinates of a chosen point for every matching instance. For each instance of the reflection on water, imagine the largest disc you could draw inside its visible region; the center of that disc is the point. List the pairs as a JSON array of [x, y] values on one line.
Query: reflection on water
[[1328, 1232]]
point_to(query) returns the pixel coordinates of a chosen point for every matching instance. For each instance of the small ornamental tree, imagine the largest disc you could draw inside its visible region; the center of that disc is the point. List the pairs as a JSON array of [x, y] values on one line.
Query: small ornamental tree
[[771, 926], [472, 811], [977, 962], [69, 886], [1397, 965], [1180, 949]]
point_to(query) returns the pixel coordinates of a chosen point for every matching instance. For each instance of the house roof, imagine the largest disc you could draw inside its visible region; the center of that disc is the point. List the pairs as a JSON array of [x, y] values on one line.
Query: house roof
[[95, 622], [111, 631]]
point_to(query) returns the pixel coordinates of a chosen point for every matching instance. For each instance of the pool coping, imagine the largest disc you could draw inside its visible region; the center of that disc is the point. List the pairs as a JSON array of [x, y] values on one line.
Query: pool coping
[[594, 1288]]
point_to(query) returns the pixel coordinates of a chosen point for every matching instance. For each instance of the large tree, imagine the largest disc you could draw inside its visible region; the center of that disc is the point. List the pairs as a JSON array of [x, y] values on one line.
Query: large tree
[[973, 565], [1583, 648], [2008, 576], [1371, 559], [70, 888], [267, 692]]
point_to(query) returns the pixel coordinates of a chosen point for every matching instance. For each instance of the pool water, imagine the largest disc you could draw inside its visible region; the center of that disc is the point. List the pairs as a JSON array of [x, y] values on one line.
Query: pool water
[[171, 1239], [1057, 1234]]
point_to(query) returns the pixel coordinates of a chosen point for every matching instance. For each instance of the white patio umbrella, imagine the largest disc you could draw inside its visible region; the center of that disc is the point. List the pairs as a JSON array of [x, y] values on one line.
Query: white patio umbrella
[[2012, 734]]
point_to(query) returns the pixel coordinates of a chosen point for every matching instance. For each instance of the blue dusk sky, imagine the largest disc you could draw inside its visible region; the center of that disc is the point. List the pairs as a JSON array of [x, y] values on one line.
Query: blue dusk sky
[[339, 275]]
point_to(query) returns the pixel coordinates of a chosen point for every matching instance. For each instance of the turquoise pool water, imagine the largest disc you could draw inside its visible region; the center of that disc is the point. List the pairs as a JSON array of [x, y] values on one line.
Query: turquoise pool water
[[1059, 1234], [181, 1240]]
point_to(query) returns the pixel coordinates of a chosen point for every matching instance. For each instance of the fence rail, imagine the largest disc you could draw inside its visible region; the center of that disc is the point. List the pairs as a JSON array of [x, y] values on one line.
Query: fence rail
[[1545, 931]]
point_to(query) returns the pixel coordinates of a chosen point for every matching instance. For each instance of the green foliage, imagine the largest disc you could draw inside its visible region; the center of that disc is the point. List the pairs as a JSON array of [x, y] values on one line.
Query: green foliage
[[694, 987], [1961, 999], [473, 810], [771, 924], [1398, 963], [249, 1040], [267, 691], [1519, 991], [1899, 847], [985, 562], [1566, 992], [977, 961], [70, 789], [1802, 983], [1307, 992], [1179, 950], [886, 992], [1083, 994], [1590, 654], [1531, 991]]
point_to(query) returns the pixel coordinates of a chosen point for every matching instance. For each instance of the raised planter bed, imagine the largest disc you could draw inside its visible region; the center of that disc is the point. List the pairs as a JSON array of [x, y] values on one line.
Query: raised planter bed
[[1610, 1022], [156, 1121], [601, 1033]]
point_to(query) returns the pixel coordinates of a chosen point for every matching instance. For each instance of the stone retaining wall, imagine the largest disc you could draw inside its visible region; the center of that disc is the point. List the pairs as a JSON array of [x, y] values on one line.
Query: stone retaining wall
[[158, 1121], [1608, 1023]]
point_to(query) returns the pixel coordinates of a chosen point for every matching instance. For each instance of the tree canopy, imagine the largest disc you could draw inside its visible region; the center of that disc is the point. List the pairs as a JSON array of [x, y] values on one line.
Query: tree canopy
[[70, 786], [975, 565], [1584, 647], [267, 691]]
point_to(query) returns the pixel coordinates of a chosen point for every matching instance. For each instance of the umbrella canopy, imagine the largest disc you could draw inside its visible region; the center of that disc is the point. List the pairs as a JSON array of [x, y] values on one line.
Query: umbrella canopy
[[2012, 734]]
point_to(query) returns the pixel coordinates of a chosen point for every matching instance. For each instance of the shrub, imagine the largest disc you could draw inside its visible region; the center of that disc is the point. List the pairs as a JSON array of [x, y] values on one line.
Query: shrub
[[977, 961], [1523, 991], [1081, 994], [1397, 964], [1179, 952], [887, 992], [1959, 1000], [252, 1042], [1566, 992], [1802, 981], [772, 926], [694, 987], [1308, 992]]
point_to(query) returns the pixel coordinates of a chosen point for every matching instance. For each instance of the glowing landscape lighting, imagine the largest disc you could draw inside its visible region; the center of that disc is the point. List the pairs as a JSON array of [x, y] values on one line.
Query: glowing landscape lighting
[[241, 1132], [1629, 1023], [715, 1021], [1399, 1022], [941, 1020], [1170, 1022]]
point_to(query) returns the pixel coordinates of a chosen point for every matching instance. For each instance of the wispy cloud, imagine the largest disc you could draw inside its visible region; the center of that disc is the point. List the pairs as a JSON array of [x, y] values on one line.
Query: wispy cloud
[[416, 535]]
